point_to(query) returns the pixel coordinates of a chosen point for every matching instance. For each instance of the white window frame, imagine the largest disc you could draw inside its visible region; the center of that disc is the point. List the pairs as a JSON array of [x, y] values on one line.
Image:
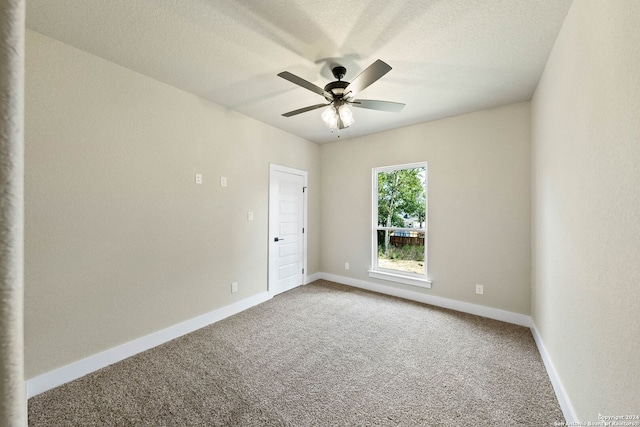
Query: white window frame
[[377, 272]]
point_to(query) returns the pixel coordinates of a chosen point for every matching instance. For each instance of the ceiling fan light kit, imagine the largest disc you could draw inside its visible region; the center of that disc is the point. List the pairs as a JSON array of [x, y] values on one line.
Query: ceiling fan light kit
[[333, 115], [341, 94]]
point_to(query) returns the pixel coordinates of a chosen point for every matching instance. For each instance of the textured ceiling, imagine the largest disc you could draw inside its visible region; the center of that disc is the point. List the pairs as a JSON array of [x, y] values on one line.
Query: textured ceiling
[[448, 56]]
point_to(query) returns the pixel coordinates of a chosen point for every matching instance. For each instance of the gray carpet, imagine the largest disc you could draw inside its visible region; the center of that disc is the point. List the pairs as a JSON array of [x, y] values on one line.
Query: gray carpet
[[321, 355]]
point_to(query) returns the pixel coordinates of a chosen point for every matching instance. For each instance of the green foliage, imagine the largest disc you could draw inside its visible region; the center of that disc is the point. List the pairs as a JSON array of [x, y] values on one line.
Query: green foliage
[[400, 192]]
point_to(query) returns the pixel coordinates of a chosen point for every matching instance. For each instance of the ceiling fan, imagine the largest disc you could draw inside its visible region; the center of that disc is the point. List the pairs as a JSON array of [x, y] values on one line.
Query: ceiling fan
[[340, 94]]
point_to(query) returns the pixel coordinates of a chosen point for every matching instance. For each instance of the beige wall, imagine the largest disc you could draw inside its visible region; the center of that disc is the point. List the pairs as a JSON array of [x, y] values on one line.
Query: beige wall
[[120, 242], [479, 203], [586, 207]]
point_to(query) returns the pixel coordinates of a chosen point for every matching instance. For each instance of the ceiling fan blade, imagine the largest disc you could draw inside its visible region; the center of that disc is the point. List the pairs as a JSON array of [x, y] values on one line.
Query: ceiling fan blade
[[367, 77], [304, 110], [372, 104], [305, 84]]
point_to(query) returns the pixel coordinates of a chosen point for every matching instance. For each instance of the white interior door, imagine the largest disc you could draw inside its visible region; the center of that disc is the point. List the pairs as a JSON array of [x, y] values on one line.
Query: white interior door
[[286, 228]]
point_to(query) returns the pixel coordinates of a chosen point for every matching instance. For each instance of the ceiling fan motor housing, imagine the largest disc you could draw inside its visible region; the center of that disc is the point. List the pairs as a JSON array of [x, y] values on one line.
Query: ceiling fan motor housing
[[336, 88]]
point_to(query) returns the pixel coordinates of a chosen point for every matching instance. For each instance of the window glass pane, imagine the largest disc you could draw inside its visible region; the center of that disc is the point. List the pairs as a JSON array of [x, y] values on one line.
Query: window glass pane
[[402, 198], [401, 250], [399, 222]]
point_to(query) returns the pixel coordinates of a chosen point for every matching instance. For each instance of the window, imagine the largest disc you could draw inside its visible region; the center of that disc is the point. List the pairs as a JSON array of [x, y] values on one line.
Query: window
[[399, 224]]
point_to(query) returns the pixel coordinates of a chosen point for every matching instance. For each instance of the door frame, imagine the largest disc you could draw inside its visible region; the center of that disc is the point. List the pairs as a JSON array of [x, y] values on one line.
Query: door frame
[[273, 167]]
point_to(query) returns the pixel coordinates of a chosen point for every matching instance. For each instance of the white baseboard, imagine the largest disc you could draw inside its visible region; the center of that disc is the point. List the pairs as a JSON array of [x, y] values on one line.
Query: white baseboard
[[563, 398], [465, 307], [83, 367]]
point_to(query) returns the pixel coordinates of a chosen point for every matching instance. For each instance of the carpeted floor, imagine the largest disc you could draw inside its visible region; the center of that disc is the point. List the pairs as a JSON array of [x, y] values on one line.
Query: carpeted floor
[[321, 355]]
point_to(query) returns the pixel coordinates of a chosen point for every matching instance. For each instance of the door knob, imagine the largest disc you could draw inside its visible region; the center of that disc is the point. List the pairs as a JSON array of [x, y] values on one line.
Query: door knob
[[277, 239]]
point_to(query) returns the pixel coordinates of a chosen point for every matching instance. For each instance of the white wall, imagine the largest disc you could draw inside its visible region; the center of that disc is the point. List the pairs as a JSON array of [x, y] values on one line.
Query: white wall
[[120, 242], [586, 207], [479, 203]]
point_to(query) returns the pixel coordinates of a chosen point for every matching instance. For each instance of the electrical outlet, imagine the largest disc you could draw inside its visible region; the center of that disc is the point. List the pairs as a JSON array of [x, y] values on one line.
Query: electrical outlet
[[249, 216], [223, 181], [346, 265], [234, 287], [198, 178], [479, 289]]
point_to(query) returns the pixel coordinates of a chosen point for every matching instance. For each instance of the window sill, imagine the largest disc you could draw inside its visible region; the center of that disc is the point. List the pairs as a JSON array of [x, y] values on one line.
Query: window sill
[[400, 278]]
